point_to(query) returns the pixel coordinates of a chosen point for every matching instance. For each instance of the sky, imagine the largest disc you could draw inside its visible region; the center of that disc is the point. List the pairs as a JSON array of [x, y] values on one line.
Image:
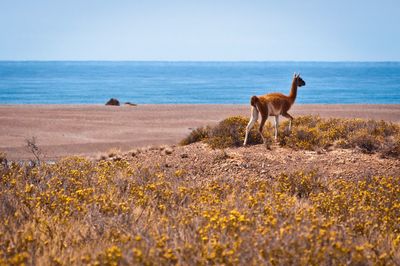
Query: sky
[[203, 30]]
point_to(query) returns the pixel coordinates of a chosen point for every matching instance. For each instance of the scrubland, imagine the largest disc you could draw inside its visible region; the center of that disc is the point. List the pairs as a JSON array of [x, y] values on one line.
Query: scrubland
[[211, 202], [308, 133]]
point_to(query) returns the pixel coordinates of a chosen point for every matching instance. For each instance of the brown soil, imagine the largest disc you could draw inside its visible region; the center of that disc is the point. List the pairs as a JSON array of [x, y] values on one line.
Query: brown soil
[[63, 130], [199, 161]]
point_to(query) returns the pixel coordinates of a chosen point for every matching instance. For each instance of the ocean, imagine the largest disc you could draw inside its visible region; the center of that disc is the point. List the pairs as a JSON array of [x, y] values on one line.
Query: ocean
[[95, 82]]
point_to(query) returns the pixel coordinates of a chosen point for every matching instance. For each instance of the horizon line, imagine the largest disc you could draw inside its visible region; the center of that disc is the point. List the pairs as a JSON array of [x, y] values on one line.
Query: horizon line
[[203, 61]]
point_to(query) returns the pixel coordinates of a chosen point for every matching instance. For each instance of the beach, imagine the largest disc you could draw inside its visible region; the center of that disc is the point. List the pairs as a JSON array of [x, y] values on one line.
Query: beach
[[90, 130]]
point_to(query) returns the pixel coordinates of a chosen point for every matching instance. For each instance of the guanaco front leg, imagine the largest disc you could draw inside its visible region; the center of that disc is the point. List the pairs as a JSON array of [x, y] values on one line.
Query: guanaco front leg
[[276, 126], [288, 116]]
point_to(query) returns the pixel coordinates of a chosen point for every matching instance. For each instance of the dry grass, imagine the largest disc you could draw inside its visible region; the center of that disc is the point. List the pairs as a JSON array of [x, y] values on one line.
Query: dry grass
[[114, 213], [114, 152], [228, 133], [309, 133], [196, 135]]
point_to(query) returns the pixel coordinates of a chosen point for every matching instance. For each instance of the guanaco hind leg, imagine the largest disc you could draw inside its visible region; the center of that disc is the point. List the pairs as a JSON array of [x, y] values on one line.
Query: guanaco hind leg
[[253, 119], [263, 120]]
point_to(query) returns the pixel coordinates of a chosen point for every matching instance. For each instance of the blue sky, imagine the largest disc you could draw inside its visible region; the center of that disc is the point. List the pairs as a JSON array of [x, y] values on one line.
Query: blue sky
[[309, 30]]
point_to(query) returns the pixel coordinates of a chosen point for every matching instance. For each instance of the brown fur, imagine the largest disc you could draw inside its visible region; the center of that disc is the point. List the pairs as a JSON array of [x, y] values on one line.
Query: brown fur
[[275, 104]]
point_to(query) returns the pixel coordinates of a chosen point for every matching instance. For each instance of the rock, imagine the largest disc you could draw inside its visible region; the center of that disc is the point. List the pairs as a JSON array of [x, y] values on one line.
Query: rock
[[184, 155], [117, 158], [130, 104], [113, 102], [168, 151]]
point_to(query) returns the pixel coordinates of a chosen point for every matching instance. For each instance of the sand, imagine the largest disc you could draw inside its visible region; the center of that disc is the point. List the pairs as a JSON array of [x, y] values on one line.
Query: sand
[[62, 130]]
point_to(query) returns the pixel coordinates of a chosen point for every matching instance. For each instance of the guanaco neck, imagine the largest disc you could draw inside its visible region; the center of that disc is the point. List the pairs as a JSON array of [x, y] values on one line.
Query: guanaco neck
[[293, 91]]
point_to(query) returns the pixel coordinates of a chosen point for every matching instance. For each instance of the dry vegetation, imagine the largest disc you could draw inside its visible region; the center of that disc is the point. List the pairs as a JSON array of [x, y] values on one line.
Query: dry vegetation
[[308, 133], [143, 210]]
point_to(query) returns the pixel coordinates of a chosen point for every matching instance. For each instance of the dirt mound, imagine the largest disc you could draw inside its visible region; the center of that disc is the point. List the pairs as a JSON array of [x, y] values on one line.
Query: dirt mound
[[200, 161]]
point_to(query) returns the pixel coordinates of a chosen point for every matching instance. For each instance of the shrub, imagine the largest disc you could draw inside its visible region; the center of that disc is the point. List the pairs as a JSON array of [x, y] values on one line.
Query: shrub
[[308, 132], [196, 135], [313, 133], [80, 212], [301, 184], [231, 132], [302, 137], [227, 133], [3, 158], [391, 146], [364, 140]]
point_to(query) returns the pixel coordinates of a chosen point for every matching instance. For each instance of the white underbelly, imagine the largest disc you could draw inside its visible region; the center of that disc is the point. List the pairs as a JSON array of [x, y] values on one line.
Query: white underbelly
[[272, 111]]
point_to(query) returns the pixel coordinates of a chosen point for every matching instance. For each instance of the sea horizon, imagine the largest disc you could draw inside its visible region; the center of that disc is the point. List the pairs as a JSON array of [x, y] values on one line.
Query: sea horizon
[[201, 61]]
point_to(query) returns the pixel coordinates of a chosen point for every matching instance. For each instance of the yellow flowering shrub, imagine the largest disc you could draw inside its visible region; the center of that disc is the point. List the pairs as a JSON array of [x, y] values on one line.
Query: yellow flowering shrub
[[229, 132], [78, 211], [313, 132], [196, 135], [308, 133]]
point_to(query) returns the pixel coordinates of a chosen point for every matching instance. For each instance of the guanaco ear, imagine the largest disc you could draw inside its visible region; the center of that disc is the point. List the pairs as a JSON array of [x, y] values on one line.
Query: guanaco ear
[[294, 75], [298, 75]]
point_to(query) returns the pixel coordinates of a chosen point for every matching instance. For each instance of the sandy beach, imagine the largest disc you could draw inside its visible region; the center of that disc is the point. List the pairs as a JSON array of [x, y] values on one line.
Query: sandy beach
[[62, 130]]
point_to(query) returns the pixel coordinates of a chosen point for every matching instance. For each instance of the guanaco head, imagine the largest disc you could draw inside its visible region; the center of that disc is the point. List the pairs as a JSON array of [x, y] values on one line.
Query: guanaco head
[[299, 81]]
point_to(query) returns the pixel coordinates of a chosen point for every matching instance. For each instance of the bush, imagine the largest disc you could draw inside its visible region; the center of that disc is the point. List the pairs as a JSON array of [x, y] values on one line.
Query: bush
[[364, 140], [313, 133], [302, 137], [3, 158], [391, 146], [301, 184], [196, 135], [308, 132], [80, 212], [227, 133], [231, 132]]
